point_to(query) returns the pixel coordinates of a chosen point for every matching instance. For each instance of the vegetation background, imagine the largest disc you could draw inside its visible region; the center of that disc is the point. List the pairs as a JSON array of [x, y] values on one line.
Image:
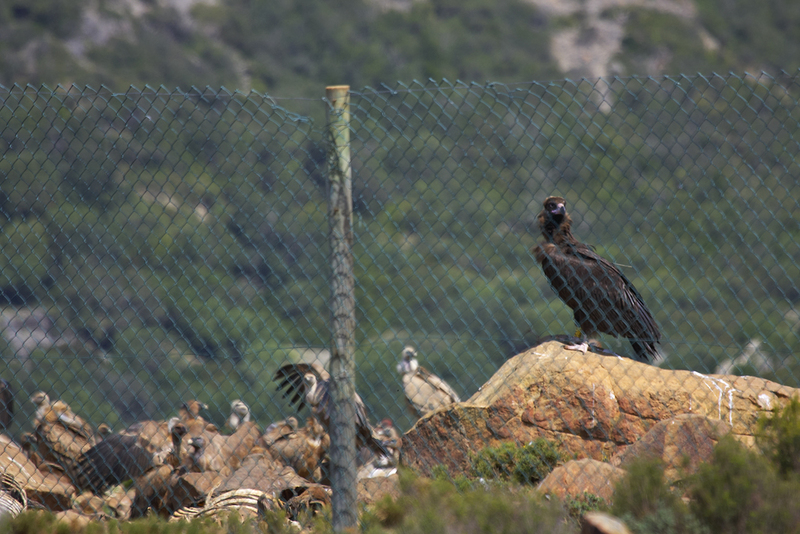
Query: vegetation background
[[163, 243]]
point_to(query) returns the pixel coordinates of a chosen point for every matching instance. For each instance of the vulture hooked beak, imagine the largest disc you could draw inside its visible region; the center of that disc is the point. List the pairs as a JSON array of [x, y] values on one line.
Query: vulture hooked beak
[[557, 211]]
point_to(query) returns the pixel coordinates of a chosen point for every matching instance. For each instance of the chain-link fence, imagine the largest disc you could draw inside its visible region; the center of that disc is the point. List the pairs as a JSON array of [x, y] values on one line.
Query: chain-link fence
[[162, 246]]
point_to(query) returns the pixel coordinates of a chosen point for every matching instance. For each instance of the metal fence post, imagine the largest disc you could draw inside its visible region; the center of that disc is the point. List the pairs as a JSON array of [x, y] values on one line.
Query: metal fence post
[[342, 366]]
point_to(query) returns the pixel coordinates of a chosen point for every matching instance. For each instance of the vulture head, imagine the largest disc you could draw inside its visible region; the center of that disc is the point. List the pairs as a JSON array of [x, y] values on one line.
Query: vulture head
[[40, 398], [197, 444], [240, 413], [312, 391], [408, 363], [177, 430], [387, 433], [552, 216]]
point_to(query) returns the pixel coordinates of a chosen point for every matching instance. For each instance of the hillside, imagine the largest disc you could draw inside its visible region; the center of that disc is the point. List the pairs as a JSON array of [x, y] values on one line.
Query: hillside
[[293, 49], [175, 241]]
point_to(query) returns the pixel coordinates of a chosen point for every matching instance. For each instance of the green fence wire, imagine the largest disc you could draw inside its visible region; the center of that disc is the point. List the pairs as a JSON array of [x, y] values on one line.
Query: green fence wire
[[160, 246]]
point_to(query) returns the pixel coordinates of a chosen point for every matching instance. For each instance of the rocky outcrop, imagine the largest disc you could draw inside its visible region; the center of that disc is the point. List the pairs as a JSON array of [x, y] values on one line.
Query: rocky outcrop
[[582, 476], [594, 406], [682, 444]]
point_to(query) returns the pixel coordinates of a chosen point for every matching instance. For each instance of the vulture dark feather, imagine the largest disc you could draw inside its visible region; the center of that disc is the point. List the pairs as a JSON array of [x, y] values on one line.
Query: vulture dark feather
[[6, 403], [126, 455], [311, 383], [601, 297]]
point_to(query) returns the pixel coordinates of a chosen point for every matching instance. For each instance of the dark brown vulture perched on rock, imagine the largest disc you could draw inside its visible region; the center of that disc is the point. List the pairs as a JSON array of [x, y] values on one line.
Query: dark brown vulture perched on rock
[[601, 298], [311, 382]]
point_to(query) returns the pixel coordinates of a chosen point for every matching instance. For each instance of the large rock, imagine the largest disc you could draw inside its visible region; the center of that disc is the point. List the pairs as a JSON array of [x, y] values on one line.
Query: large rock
[[682, 443], [577, 477], [371, 490], [595, 406]]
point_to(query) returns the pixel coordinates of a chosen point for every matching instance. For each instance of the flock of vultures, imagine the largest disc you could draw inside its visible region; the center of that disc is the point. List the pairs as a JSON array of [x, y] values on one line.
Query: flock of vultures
[[150, 459], [157, 454]]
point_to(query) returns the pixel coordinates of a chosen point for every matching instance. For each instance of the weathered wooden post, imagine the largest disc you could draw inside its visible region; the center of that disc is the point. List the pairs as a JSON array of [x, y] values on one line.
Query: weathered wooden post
[[343, 307]]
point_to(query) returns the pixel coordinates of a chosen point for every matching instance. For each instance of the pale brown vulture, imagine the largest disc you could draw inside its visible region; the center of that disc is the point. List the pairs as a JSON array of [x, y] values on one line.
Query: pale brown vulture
[[41, 400], [212, 451], [128, 455], [206, 454], [240, 413], [424, 390], [190, 410], [601, 297], [311, 382], [245, 437], [59, 412], [300, 448], [60, 436], [194, 462]]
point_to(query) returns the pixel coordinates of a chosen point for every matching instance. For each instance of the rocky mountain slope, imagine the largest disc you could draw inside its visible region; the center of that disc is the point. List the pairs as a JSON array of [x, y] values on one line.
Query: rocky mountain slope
[[295, 48]]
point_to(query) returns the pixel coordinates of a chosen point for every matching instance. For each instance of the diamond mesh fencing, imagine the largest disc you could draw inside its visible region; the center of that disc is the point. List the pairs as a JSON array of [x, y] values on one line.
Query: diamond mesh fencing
[[162, 247]]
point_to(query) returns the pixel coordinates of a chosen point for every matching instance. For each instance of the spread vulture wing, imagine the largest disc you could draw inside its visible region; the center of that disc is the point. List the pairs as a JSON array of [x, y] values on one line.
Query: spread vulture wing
[[601, 297], [311, 382], [291, 379]]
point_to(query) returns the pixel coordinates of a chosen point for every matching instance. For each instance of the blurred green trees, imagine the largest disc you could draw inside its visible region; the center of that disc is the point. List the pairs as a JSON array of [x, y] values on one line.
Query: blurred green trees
[[178, 240]]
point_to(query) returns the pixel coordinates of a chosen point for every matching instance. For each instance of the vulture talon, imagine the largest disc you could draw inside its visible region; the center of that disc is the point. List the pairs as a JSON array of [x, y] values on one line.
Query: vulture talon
[[578, 347]]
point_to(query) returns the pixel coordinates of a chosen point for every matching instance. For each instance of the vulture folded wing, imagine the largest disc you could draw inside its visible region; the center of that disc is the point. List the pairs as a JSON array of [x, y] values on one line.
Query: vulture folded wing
[[114, 460], [442, 387], [427, 392], [601, 297]]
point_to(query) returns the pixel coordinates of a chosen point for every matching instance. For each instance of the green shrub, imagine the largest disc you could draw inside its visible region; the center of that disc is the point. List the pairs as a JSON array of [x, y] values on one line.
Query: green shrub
[[437, 506], [644, 500], [526, 464], [779, 437], [740, 490], [586, 502]]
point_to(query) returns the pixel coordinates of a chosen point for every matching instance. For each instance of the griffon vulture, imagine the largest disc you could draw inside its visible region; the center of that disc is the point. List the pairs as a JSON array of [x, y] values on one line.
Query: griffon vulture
[[311, 382], [59, 436], [240, 413], [424, 390], [300, 448]]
